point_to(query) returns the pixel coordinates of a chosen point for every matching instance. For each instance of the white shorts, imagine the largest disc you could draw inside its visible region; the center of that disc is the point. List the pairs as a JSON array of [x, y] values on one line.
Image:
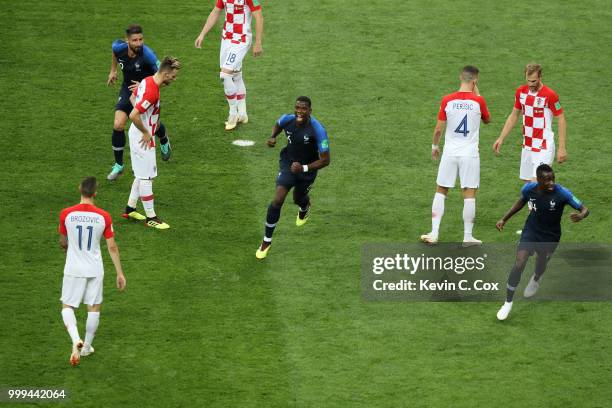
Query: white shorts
[[468, 168], [232, 54], [144, 162], [87, 290], [531, 160]]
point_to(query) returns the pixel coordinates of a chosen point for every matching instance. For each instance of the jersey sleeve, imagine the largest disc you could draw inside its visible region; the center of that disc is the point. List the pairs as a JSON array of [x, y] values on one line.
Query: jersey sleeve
[[525, 190], [284, 120], [62, 224], [517, 99], [149, 97], [571, 199], [442, 111], [484, 110], [321, 136], [109, 232], [254, 5], [119, 46], [219, 4], [150, 59], [554, 105]]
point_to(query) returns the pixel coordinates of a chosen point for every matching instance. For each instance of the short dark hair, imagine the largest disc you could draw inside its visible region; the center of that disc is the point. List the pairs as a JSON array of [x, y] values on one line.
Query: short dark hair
[[469, 73], [89, 186], [304, 99], [169, 63], [133, 29], [543, 168]]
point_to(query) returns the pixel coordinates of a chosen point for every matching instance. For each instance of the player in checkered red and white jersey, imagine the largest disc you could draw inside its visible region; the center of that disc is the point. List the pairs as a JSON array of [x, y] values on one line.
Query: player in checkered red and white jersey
[[145, 119], [235, 43], [461, 113], [538, 104], [81, 229]]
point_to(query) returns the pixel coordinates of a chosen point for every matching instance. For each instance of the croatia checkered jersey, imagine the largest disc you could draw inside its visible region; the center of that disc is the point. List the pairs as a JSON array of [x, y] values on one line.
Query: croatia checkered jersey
[[538, 111], [237, 26], [147, 103], [462, 112], [84, 225]]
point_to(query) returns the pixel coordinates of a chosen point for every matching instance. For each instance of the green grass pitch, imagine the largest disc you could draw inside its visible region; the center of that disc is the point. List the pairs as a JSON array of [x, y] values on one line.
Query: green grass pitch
[[202, 323]]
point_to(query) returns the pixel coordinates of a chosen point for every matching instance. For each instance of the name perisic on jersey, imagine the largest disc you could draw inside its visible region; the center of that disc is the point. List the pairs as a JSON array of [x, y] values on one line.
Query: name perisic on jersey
[[463, 105]]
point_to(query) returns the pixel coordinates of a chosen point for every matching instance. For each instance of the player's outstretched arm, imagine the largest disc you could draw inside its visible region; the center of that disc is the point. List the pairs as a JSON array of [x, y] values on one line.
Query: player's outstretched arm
[[112, 76], [210, 23], [259, 29], [579, 216], [63, 242], [513, 210], [324, 160], [437, 135], [508, 126], [562, 127], [113, 251], [275, 132]]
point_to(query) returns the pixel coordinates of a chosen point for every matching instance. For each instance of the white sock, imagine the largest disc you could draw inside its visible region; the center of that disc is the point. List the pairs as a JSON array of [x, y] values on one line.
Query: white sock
[[437, 212], [93, 319], [231, 90], [146, 196], [133, 200], [71, 324], [240, 93], [469, 213]]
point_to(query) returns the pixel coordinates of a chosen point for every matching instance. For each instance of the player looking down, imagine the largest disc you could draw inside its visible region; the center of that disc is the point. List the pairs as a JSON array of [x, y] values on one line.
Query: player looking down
[[235, 43], [538, 104], [137, 61], [460, 113], [145, 120], [81, 229], [307, 151], [542, 231]]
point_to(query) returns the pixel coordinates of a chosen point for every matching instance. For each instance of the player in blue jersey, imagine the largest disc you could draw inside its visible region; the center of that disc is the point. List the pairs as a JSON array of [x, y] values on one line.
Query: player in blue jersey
[[137, 61], [307, 151], [542, 231]]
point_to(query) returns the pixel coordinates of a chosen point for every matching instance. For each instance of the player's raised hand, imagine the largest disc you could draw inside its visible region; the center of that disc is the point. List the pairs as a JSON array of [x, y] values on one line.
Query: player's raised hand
[[296, 167], [497, 146], [198, 41], [561, 155], [121, 282], [271, 142], [500, 225], [112, 77], [257, 50], [145, 141], [133, 86], [576, 217]]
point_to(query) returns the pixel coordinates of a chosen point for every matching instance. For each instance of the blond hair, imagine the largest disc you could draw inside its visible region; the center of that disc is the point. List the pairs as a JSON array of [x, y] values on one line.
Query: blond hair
[[170, 63], [533, 67]]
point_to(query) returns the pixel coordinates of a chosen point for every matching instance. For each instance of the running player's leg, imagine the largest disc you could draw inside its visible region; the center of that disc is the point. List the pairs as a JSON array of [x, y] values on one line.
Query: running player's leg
[[302, 199], [469, 175], [240, 51], [130, 209], [272, 217], [544, 252], [227, 61], [514, 277]]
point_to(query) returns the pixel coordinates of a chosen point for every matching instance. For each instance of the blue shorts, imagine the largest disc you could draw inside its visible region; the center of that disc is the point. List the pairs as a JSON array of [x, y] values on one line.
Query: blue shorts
[[302, 182], [533, 242], [124, 104]]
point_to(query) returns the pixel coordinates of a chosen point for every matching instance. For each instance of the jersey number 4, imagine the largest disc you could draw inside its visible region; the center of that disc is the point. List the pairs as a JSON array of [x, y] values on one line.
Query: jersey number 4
[[80, 229], [462, 128]]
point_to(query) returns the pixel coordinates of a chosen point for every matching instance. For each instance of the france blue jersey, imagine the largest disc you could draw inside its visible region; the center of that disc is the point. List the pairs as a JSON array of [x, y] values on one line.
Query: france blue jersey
[[546, 209], [300, 144], [144, 64]]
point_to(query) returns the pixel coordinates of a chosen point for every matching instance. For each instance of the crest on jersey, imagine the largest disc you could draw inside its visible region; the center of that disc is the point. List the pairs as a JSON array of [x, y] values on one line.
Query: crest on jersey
[[306, 138], [552, 205], [539, 102]]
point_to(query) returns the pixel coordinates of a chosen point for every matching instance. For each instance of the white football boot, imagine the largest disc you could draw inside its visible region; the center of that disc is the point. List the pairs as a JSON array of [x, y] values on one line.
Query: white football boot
[[504, 311], [531, 288]]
